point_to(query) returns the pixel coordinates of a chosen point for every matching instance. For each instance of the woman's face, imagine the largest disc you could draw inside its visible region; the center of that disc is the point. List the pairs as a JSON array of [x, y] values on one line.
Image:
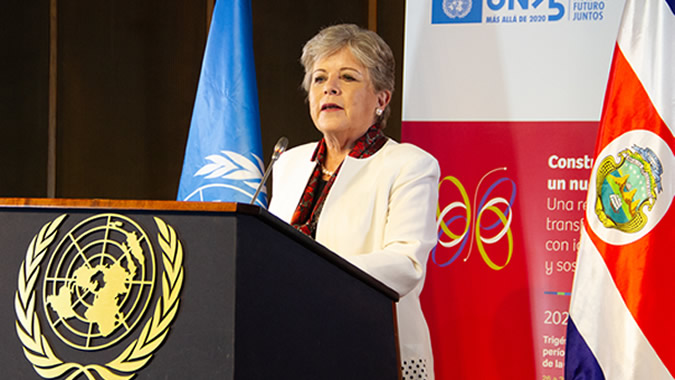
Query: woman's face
[[342, 99]]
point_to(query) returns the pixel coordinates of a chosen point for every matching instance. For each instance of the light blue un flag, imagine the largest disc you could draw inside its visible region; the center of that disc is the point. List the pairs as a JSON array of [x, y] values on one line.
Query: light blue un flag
[[223, 154]]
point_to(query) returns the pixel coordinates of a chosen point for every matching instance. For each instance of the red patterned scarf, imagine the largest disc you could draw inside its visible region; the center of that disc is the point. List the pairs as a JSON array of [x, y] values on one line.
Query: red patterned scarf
[[306, 215]]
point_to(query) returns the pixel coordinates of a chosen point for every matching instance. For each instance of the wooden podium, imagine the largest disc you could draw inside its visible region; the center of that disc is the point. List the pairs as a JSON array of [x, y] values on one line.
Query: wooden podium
[[191, 291]]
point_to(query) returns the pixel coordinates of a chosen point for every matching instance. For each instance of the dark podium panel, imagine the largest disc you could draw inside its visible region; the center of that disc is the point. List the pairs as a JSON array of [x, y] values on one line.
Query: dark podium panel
[[231, 293]]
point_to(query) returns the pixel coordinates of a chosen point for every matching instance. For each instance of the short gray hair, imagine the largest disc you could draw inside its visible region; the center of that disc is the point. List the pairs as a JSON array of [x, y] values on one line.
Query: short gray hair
[[368, 48]]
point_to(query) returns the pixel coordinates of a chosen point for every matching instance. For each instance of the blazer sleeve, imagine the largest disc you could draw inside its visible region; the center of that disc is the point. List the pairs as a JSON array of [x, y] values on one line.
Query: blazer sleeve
[[410, 227]]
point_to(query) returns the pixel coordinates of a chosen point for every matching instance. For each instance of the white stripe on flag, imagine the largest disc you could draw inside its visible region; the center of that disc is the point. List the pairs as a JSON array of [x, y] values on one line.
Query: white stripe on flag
[[647, 40]]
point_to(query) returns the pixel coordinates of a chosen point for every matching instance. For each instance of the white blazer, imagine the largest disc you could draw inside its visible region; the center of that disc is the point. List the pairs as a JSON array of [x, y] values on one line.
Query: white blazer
[[380, 216]]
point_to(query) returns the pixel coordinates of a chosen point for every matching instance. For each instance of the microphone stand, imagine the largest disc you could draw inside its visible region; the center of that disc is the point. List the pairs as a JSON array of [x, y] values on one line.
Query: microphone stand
[[279, 148]]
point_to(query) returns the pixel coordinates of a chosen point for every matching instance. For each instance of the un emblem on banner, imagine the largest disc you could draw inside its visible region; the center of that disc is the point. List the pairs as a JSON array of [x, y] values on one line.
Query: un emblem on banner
[[625, 186], [456, 8], [456, 11], [97, 285]]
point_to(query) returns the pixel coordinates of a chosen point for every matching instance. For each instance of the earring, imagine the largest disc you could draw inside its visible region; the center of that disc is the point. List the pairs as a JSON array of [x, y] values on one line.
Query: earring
[[378, 111]]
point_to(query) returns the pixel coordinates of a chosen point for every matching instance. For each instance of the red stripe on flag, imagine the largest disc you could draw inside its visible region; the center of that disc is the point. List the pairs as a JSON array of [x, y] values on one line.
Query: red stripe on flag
[[642, 270], [627, 106]]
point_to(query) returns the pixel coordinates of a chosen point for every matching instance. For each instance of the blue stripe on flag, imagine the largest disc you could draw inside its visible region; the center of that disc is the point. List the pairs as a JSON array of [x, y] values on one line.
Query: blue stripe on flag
[[580, 363], [223, 153], [671, 4]]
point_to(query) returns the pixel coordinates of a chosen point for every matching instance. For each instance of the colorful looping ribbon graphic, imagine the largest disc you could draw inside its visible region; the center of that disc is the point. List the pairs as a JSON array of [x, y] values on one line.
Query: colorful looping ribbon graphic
[[473, 227]]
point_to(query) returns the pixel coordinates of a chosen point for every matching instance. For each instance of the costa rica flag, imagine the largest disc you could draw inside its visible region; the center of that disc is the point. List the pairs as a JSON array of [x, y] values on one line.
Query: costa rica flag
[[621, 311]]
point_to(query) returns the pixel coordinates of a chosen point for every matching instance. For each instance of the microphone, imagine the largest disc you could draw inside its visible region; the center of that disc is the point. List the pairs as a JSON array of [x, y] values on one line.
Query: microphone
[[279, 148]]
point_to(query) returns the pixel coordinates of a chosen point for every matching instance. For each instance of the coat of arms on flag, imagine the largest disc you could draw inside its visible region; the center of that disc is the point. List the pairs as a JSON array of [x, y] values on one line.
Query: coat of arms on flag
[[626, 183]]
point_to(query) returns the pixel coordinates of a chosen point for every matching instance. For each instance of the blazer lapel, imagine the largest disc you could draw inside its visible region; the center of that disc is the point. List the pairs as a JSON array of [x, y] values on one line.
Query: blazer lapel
[[298, 175]]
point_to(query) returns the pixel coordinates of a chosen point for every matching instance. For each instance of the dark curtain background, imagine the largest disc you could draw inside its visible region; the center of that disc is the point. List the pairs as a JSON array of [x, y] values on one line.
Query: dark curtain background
[[127, 73]]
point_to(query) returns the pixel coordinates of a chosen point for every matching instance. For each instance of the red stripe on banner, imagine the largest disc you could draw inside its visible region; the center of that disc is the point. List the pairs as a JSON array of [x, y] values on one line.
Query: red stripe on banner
[[627, 106], [642, 270]]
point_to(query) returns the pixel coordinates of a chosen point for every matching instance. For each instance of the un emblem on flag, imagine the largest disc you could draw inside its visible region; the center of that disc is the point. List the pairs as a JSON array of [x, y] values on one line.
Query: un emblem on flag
[[97, 285], [228, 177]]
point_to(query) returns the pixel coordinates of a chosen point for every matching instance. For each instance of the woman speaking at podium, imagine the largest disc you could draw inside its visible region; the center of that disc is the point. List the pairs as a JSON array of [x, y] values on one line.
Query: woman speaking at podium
[[357, 192]]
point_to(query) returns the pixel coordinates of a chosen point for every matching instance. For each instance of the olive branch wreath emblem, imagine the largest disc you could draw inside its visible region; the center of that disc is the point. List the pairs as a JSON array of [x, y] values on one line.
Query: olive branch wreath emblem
[[36, 347]]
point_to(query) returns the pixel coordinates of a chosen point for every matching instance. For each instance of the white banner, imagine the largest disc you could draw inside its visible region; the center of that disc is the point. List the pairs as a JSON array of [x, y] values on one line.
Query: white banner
[[528, 69]]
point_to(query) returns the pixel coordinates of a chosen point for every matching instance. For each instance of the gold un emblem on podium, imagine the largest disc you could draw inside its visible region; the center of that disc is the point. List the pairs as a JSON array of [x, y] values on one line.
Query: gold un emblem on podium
[[97, 284]]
